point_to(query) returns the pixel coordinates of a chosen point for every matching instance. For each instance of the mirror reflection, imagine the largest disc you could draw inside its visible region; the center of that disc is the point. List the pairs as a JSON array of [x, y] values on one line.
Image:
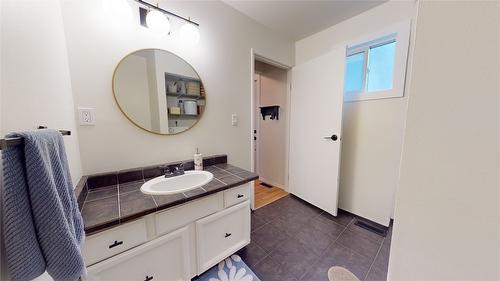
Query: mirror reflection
[[159, 91]]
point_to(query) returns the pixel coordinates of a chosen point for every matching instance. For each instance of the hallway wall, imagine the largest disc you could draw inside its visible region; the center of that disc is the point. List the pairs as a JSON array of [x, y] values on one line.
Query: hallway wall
[[272, 133]]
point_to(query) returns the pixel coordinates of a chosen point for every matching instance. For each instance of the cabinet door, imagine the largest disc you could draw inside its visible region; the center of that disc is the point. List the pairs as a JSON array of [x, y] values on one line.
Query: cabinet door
[[166, 258], [116, 240], [222, 234], [236, 195]]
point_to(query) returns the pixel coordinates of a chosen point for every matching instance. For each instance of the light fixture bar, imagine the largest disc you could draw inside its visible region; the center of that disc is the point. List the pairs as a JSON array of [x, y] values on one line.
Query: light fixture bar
[[165, 11]]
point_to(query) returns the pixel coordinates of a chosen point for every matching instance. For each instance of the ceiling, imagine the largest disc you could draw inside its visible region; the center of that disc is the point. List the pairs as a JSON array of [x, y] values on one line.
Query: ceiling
[[299, 19]]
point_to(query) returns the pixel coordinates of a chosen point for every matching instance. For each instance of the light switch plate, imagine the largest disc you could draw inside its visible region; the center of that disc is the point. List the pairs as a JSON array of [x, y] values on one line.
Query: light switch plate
[[86, 116], [234, 120]]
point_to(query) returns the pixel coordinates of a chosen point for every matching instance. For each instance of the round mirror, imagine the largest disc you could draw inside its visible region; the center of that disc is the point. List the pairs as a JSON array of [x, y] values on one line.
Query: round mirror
[[158, 91]]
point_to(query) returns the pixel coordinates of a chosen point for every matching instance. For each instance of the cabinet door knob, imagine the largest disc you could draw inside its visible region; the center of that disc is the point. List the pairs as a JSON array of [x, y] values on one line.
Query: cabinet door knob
[[148, 278], [227, 235], [116, 243], [240, 195]]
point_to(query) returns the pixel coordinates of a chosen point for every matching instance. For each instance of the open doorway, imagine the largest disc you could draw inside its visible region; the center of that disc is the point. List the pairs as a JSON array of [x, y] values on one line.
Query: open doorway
[[270, 132]]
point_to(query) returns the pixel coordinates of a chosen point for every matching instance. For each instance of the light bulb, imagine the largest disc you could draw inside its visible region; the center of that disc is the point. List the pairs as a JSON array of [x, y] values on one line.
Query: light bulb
[[189, 33], [158, 22]]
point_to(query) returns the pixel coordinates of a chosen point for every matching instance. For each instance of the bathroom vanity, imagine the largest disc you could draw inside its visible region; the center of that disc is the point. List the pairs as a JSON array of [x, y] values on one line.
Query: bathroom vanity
[[181, 237]]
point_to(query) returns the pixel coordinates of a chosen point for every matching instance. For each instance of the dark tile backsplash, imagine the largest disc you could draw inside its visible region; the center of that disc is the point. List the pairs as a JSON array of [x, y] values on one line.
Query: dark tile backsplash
[[152, 172], [130, 175], [214, 160], [102, 180]]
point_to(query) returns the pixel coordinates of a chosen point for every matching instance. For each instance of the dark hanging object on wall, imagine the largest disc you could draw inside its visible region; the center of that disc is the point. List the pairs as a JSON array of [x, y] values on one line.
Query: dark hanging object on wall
[[273, 111]]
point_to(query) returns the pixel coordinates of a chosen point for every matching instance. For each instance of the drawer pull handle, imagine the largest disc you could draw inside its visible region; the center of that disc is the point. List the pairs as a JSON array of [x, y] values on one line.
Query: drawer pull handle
[[227, 235], [148, 278], [240, 195], [116, 243]]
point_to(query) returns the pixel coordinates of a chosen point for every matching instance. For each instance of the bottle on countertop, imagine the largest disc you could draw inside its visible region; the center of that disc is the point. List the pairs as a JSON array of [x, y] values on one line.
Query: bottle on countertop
[[198, 161]]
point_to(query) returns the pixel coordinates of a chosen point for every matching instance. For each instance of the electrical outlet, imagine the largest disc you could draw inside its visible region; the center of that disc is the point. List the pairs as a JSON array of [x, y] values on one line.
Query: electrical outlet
[[234, 120], [86, 116]]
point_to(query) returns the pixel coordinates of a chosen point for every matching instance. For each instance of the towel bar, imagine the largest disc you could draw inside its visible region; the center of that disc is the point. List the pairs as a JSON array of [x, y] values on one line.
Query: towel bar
[[4, 143]]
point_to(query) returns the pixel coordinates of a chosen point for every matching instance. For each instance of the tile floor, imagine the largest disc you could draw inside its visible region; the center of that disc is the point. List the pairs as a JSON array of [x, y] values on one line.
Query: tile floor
[[292, 240]]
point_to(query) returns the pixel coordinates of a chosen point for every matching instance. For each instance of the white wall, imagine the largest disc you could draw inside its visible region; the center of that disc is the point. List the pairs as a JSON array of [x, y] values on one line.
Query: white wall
[[36, 87], [221, 58], [272, 133], [372, 130], [447, 224]]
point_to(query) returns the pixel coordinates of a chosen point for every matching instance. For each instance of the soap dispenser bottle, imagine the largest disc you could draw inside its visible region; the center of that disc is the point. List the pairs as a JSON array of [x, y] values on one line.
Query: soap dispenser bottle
[[198, 161]]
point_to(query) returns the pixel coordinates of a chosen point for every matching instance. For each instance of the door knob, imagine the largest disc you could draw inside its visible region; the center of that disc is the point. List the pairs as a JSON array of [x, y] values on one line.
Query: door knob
[[332, 137]]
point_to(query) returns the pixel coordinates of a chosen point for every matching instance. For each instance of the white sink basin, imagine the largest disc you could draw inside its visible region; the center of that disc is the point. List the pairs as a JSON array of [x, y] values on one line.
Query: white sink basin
[[177, 184]]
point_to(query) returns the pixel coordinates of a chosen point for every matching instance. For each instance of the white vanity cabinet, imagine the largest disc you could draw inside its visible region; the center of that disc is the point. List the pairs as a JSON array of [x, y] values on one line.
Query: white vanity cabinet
[[221, 234], [105, 244], [175, 244], [164, 258]]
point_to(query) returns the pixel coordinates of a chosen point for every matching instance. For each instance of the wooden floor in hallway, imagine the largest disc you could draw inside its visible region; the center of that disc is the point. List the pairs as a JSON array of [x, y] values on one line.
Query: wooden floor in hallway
[[265, 195]]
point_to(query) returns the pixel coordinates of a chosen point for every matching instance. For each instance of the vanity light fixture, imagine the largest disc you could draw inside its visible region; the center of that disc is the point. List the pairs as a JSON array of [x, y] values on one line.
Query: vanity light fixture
[[158, 22], [156, 19]]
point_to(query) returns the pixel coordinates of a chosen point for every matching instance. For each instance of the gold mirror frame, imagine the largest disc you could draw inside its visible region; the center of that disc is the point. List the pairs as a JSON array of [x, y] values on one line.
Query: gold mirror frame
[[132, 121]]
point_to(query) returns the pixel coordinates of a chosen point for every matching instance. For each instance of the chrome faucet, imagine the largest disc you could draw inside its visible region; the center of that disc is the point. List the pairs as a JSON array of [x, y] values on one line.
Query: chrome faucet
[[167, 171], [179, 169]]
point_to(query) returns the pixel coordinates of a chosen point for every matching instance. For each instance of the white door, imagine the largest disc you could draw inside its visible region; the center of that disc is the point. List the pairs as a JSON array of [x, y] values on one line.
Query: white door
[[257, 116], [315, 129]]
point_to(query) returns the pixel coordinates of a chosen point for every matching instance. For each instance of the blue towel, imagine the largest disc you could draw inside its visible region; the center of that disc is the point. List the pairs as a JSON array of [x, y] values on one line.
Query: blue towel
[[43, 227]]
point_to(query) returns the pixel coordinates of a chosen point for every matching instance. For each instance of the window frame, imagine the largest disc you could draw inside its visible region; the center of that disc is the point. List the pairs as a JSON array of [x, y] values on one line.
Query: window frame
[[399, 33]]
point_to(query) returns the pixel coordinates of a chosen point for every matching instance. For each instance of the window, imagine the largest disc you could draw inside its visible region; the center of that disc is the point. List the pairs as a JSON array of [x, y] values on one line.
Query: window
[[354, 72], [380, 67], [376, 67]]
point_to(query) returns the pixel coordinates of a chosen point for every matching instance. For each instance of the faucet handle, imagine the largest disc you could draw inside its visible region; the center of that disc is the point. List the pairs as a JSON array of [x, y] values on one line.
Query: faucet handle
[[179, 169], [166, 170]]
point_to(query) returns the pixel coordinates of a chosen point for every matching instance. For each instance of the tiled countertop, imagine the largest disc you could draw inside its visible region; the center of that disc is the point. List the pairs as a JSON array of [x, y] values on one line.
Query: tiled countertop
[[116, 203]]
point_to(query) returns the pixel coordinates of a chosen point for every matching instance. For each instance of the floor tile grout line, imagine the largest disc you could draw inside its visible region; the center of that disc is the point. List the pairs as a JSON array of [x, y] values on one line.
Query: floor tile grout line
[[324, 252], [294, 236], [326, 248], [364, 255], [373, 261], [267, 253]]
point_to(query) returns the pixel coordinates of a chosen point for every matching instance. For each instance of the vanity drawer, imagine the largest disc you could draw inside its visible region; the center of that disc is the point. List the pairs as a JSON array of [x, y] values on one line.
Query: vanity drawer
[[165, 258], [108, 243], [182, 215], [236, 195], [222, 234]]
